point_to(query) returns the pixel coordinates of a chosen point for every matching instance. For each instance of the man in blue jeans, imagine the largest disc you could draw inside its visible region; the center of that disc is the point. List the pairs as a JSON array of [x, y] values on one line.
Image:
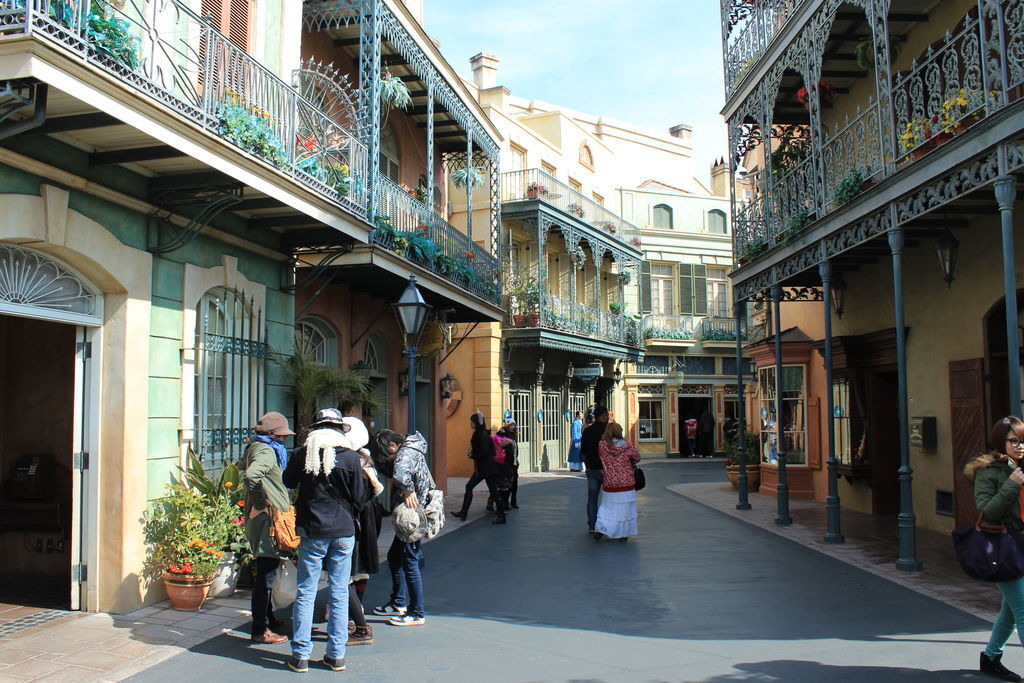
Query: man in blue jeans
[[332, 491], [592, 459]]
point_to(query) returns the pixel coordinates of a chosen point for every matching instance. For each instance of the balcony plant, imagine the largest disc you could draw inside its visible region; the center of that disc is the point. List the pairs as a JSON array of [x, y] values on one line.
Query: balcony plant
[[384, 233], [636, 242], [826, 93], [864, 52], [751, 249], [848, 188], [535, 190], [417, 246], [470, 176], [525, 296], [108, 34], [250, 128], [617, 308], [797, 222], [394, 93], [751, 455], [576, 209]]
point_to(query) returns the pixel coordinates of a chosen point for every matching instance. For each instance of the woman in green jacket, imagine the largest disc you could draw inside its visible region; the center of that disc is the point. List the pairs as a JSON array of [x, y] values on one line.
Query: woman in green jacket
[[261, 467], [997, 480]]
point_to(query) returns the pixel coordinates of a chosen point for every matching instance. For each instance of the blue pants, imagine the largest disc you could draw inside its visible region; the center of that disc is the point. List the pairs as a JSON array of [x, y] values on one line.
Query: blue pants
[[406, 582], [1011, 614], [594, 480], [312, 552]]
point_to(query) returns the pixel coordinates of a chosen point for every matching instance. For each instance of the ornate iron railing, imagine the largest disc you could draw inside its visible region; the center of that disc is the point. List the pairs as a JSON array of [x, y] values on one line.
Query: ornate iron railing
[[560, 314], [674, 327], [974, 71], [748, 27], [720, 329], [173, 56], [410, 228], [534, 184]]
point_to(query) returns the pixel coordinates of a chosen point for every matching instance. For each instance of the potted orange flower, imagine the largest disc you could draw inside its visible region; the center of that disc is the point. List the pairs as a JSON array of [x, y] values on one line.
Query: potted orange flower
[[187, 531]]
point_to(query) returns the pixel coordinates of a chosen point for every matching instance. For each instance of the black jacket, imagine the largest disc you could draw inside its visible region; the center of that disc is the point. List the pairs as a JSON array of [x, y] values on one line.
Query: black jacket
[[327, 506], [482, 452], [588, 445]]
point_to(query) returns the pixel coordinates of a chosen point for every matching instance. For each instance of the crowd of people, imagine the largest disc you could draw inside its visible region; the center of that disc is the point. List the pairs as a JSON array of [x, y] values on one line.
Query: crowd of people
[[336, 484]]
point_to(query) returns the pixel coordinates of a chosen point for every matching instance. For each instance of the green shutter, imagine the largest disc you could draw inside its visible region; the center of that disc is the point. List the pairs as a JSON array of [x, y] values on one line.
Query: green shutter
[[685, 289], [700, 290], [645, 287]]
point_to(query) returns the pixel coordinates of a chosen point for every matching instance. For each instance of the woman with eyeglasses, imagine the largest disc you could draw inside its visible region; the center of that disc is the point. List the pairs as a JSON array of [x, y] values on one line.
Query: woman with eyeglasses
[[998, 477]]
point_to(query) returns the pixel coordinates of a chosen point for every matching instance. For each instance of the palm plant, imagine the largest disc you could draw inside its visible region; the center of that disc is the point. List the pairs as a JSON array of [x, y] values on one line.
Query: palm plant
[[471, 176], [313, 385], [394, 93]]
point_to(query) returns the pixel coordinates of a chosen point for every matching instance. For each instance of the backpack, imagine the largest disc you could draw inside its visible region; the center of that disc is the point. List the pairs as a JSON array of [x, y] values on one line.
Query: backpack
[[499, 448]]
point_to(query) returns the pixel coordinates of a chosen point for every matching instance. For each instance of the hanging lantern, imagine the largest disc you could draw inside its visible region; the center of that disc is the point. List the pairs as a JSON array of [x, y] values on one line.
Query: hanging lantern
[[947, 248], [838, 295], [448, 386]]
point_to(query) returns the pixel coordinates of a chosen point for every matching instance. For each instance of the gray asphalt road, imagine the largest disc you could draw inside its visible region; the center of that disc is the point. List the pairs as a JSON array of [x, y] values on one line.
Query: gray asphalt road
[[697, 596]]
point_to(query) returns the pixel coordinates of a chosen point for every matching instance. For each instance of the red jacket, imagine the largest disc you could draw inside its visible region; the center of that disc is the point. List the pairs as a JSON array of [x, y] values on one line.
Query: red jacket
[[618, 465]]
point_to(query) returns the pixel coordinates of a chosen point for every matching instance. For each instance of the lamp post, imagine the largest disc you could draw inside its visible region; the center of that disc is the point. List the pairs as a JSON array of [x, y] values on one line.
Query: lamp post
[[411, 311]]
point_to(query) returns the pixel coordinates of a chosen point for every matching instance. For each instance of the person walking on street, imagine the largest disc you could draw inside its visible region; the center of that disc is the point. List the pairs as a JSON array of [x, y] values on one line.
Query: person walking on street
[[509, 431], [691, 436], [261, 468], [575, 456], [481, 451], [332, 492], [592, 459], [706, 424], [616, 516], [411, 485], [998, 477]]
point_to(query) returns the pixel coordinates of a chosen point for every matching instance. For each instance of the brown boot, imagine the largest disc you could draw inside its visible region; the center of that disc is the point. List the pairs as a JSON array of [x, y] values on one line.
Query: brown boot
[[268, 638], [362, 635]]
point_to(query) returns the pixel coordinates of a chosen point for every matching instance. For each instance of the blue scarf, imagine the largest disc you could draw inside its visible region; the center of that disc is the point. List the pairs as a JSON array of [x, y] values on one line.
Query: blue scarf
[[279, 449]]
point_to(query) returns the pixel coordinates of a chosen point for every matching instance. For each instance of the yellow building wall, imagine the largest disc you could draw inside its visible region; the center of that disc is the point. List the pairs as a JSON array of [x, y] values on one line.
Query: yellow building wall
[[475, 364]]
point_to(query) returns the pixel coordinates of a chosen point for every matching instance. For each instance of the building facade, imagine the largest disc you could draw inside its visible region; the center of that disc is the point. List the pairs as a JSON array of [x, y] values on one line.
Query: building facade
[[176, 191], [882, 139]]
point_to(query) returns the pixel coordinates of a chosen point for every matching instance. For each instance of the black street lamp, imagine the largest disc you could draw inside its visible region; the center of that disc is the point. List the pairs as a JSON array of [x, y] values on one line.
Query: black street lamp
[[838, 294], [411, 311], [947, 247]]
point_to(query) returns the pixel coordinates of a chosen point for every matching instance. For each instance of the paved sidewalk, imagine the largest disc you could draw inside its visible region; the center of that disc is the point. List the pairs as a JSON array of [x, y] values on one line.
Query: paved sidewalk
[[871, 543]]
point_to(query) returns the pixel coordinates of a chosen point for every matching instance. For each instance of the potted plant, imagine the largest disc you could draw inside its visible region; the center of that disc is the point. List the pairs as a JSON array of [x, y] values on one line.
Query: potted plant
[[617, 308], [535, 190], [826, 93], [526, 295], [848, 188], [750, 455], [575, 209], [187, 530], [469, 177]]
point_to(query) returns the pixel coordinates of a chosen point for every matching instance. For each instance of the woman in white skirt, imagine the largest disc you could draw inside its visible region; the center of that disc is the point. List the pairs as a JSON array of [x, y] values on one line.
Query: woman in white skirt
[[616, 514]]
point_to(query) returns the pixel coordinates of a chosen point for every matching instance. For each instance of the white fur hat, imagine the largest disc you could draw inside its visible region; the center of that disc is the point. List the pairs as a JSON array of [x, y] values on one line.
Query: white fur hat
[[357, 435]]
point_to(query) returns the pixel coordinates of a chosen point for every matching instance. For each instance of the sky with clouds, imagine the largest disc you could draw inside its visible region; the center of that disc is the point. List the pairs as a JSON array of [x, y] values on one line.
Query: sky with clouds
[[653, 63]]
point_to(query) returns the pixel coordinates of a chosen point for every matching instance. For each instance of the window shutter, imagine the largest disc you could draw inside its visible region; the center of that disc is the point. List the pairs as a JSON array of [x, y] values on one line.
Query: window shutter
[[700, 290], [238, 22], [211, 9], [645, 287], [685, 289]]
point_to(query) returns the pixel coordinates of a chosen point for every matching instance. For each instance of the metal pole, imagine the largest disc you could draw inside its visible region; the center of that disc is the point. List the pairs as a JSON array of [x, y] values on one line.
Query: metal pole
[[782, 488], [906, 521], [744, 502], [411, 352], [833, 534], [1006, 193]]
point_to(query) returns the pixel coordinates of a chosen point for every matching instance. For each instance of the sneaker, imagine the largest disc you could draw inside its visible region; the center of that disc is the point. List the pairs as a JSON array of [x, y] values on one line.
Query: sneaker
[[299, 666], [407, 620], [389, 609], [361, 635], [334, 664], [994, 667]]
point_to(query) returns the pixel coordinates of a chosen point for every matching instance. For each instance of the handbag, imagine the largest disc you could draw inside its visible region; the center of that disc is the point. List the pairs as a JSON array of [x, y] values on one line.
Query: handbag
[[989, 552], [639, 480], [282, 529]]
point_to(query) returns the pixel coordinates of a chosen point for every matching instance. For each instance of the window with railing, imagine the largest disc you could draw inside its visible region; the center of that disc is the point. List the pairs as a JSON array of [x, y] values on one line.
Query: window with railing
[[718, 291]]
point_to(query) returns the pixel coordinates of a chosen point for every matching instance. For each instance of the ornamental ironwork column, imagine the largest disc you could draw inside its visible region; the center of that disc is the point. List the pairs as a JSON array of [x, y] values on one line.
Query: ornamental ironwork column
[[1006, 194], [782, 517], [744, 501], [470, 168], [430, 146], [906, 521], [832, 535]]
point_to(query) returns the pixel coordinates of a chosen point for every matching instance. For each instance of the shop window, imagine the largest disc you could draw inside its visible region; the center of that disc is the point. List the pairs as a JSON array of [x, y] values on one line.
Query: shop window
[[663, 216], [794, 415], [850, 429], [650, 423]]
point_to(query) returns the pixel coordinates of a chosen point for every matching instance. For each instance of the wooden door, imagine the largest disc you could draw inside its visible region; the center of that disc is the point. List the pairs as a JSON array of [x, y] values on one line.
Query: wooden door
[[884, 442], [967, 424]]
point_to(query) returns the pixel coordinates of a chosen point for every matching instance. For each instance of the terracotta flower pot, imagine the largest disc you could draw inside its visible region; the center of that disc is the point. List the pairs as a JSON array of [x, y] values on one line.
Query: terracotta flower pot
[[187, 592], [526, 319], [531, 194], [753, 476]]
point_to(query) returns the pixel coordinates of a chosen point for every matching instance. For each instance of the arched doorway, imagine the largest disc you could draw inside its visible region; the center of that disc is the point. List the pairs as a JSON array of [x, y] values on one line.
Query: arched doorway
[[50, 321]]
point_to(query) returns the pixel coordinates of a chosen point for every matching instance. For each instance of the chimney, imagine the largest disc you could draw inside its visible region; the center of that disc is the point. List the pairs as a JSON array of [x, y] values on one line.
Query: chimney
[[415, 8], [682, 131], [485, 70], [720, 178]]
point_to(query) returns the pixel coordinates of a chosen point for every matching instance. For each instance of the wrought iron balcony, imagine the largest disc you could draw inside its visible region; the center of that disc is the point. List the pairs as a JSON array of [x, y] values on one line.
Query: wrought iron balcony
[[536, 185], [748, 27], [411, 229], [721, 330], [168, 53], [968, 76], [669, 327], [560, 314]]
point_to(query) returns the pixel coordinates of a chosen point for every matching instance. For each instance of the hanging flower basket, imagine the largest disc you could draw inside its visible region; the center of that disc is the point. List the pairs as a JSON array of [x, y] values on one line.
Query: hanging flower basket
[[826, 93]]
